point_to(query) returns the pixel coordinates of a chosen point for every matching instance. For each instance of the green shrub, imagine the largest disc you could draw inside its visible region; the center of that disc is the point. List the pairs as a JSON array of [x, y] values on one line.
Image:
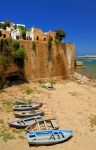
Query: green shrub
[[34, 45], [49, 49], [4, 44], [21, 137], [5, 47], [23, 31], [11, 51], [92, 120], [19, 56], [6, 136], [29, 91], [1, 25], [6, 60], [24, 35], [16, 45], [60, 35]]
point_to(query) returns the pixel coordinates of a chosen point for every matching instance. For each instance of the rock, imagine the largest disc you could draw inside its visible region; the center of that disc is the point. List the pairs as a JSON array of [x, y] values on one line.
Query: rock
[[79, 63], [47, 85], [81, 79]]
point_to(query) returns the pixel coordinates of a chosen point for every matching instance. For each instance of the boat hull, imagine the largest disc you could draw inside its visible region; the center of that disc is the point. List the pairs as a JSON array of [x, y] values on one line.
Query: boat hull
[[46, 124], [26, 114], [67, 134], [23, 123], [27, 107]]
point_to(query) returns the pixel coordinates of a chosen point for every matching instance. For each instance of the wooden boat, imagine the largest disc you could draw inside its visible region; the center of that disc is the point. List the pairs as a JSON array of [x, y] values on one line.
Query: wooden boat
[[23, 123], [48, 137], [22, 114], [24, 107], [46, 124]]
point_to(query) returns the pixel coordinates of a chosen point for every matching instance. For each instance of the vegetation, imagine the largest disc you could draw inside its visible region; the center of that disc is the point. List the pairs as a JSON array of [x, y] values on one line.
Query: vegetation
[[16, 45], [5, 45], [34, 45], [21, 137], [19, 57], [1, 25], [7, 104], [1, 121], [23, 31], [20, 131], [23, 34], [5, 48], [49, 48], [6, 60], [15, 26], [60, 35], [29, 91], [93, 120], [5, 135], [11, 51], [7, 23]]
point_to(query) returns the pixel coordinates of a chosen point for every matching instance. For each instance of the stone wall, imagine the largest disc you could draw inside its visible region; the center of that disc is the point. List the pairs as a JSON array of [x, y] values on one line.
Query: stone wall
[[37, 64]]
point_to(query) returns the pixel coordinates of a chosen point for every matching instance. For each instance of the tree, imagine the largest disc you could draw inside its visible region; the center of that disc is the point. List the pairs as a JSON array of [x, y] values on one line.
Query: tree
[[23, 34], [7, 23], [15, 26], [1, 25], [60, 35], [23, 31], [16, 45]]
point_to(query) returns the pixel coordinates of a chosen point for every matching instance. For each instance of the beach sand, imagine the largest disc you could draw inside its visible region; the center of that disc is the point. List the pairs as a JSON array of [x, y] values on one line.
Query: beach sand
[[72, 104]]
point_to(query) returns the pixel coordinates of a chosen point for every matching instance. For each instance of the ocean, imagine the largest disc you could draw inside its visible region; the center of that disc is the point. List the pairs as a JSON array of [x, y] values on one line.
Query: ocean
[[89, 68]]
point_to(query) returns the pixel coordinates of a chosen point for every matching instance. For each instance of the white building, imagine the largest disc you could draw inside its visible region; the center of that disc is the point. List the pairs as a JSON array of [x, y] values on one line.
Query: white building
[[8, 29], [30, 34], [22, 25], [16, 34]]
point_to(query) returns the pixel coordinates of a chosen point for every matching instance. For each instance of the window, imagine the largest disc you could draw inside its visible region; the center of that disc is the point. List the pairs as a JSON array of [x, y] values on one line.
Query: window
[[17, 37], [51, 39], [4, 35], [37, 38]]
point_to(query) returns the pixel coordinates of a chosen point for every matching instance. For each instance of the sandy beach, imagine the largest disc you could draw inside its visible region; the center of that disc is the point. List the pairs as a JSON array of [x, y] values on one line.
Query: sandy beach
[[73, 104]]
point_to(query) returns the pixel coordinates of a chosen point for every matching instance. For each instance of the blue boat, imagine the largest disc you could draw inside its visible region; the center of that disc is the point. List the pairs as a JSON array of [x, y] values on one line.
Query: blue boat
[[24, 107], [48, 137]]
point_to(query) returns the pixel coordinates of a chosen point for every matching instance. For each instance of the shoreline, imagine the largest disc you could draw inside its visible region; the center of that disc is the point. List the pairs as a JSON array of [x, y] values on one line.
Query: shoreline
[[72, 103], [87, 56], [89, 65]]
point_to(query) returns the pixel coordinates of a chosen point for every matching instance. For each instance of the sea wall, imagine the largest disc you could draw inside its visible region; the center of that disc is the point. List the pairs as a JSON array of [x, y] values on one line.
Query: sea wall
[[37, 62]]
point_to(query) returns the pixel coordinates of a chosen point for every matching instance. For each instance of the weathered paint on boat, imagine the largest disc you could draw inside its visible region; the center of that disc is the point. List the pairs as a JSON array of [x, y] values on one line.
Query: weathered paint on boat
[[48, 137], [25, 107], [23, 123], [46, 124], [23, 114]]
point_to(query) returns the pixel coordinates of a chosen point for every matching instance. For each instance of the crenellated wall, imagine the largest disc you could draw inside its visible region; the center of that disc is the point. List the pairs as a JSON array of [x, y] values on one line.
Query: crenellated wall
[[37, 64]]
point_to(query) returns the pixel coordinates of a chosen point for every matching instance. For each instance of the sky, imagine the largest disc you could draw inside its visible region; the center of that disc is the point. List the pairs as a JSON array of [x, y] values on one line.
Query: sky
[[76, 17]]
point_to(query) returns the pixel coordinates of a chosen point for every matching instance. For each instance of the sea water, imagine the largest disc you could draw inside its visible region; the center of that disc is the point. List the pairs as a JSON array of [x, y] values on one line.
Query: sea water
[[89, 68]]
